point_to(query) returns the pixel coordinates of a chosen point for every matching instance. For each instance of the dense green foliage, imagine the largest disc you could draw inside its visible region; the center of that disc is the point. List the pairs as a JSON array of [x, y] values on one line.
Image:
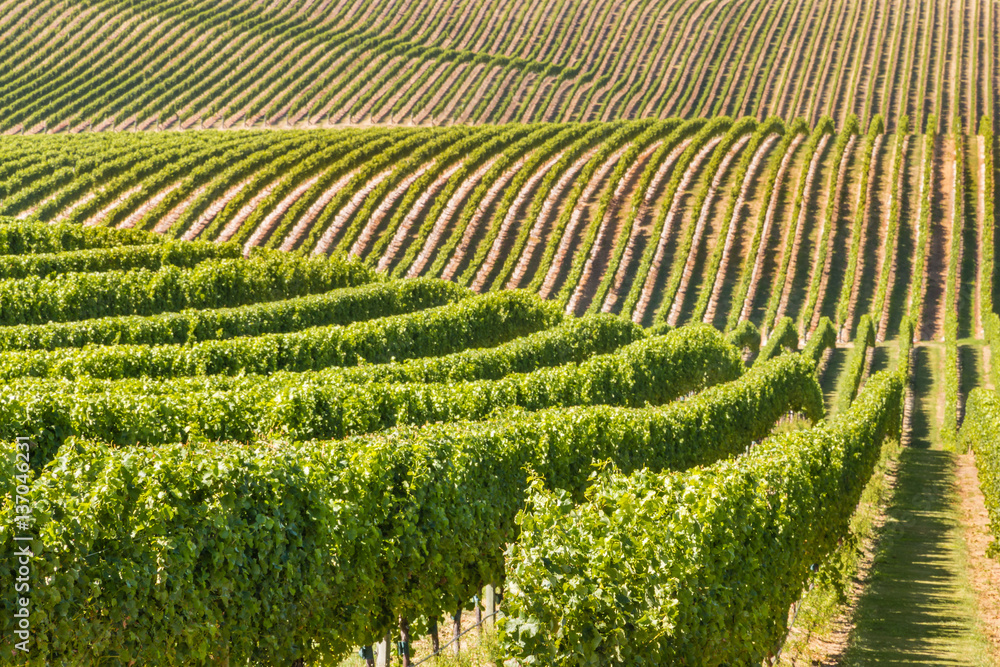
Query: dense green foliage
[[986, 269], [477, 321], [21, 237], [339, 306], [347, 530], [822, 339], [715, 556], [923, 222], [856, 362], [574, 340], [121, 258], [784, 336], [952, 296], [652, 371], [980, 434], [210, 284], [268, 426], [746, 337]]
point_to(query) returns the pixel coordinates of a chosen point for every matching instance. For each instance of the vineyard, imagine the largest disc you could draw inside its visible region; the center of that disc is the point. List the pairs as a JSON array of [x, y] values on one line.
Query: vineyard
[[315, 423], [644, 332], [154, 64], [672, 221]]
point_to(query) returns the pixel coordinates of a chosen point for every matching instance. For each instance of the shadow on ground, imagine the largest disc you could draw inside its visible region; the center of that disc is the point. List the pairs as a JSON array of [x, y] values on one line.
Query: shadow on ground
[[912, 612]]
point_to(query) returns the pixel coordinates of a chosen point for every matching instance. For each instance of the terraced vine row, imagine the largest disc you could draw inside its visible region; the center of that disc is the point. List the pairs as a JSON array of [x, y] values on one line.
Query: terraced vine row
[[170, 64], [678, 221], [266, 374], [259, 315]]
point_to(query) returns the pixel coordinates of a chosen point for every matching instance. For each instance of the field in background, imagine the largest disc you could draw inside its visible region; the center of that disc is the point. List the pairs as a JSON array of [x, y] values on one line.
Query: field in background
[[111, 64]]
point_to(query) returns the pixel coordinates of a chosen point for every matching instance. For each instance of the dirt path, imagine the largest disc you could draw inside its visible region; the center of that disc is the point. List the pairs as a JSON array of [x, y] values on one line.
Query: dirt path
[[919, 607], [696, 249], [984, 572], [939, 241], [734, 243], [926, 594], [980, 186]]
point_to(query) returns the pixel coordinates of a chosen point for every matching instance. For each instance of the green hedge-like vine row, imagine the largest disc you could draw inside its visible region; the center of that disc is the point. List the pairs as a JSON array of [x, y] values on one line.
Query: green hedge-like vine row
[[949, 423], [926, 193], [875, 129], [746, 337], [211, 284], [991, 327], [476, 321], [989, 220], [652, 371], [851, 379], [824, 337], [120, 258], [784, 336], [18, 237], [575, 340], [895, 197], [339, 306], [980, 434], [275, 553], [698, 567]]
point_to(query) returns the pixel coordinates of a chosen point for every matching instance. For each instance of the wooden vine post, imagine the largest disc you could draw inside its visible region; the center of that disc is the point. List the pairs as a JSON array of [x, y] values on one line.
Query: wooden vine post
[[435, 639], [383, 657], [404, 640], [479, 618], [490, 603]]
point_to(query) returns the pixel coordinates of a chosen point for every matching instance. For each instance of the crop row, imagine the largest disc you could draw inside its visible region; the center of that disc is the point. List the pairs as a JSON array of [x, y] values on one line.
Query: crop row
[[657, 220], [338, 306], [316, 405], [481, 321], [164, 63], [365, 551], [571, 341], [979, 433], [716, 555], [213, 283]]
